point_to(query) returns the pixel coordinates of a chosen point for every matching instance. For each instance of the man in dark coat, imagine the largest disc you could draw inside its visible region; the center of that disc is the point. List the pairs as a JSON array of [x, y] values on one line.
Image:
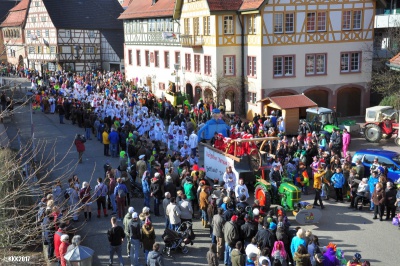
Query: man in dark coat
[[248, 230], [390, 200], [265, 238], [156, 193]]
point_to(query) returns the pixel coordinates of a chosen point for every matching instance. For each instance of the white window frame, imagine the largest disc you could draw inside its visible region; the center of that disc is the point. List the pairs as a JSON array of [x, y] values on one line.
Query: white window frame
[[312, 64], [283, 60], [346, 20], [31, 50], [356, 19], [347, 62], [206, 25], [229, 65], [252, 66], [228, 24], [289, 21], [89, 50], [253, 97], [321, 21], [252, 24], [278, 23]]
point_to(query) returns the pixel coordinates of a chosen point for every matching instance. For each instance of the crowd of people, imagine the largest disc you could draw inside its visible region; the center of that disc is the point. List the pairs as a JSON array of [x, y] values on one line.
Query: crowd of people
[[156, 144]]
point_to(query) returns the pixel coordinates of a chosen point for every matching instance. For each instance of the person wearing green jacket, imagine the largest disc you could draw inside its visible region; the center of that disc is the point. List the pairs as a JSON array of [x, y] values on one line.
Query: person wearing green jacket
[[189, 190]]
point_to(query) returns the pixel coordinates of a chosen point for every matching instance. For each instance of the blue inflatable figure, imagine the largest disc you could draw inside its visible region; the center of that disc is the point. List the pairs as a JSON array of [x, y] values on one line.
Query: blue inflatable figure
[[215, 124]]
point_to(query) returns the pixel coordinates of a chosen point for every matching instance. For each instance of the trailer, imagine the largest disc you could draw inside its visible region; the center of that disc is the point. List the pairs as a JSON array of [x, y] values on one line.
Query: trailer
[[245, 165]]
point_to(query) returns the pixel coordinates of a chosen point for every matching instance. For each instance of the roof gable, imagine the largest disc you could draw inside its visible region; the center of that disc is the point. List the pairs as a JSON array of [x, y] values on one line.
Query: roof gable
[[291, 101], [16, 13], [224, 5], [85, 14], [251, 5], [24, 4], [146, 9]]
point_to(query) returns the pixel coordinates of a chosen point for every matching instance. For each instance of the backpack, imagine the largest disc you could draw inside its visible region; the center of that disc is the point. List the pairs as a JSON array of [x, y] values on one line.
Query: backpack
[[121, 193], [66, 194]]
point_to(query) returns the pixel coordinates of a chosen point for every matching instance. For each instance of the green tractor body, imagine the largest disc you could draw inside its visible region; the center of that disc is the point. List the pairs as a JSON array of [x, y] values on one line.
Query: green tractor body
[[290, 195], [321, 119]]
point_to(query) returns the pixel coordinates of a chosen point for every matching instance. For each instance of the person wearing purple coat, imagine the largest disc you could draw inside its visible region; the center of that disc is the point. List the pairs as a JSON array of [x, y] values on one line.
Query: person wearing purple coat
[[330, 258]]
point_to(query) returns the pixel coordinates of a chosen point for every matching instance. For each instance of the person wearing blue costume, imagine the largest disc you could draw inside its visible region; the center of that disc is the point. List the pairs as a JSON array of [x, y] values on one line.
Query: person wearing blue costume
[[373, 180], [216, 124]]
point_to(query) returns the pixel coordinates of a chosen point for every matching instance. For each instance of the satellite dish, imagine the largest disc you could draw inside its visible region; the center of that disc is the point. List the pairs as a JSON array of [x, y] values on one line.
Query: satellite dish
[[33, 37]]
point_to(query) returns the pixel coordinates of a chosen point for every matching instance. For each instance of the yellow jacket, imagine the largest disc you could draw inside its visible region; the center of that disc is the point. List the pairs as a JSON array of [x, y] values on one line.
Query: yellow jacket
[[319, 177], [105, 138]]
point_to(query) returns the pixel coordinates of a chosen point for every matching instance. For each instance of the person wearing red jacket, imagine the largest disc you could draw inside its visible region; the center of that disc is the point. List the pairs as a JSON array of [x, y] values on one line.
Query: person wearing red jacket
[[219, 142], [57, 241], [80, 146], [63, 249]]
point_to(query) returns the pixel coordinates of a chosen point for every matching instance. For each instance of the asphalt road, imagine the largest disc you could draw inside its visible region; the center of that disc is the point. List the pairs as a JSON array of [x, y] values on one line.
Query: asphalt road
[[352, 231]]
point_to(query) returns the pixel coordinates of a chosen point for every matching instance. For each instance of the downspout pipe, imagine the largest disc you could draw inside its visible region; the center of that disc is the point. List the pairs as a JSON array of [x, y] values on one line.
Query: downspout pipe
[[243, 89]]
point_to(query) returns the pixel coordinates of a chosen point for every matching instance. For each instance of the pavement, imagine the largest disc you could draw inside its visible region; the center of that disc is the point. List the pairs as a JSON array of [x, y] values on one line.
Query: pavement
[[352, 231]]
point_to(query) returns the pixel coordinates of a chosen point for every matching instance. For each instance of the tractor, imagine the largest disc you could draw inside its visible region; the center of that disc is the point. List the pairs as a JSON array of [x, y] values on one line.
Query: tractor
[[381, 122], [321, 119], [288, 194]]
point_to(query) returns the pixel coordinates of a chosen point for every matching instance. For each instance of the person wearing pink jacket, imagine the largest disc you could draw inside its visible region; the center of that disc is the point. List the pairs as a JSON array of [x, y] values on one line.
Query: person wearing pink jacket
[[345, 141]]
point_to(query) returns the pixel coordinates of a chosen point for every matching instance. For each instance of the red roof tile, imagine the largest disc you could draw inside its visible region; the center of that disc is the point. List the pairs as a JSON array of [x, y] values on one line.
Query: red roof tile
[[24, 4], [17, 15], [395, 60], [292, 101], [145, 9], [251, 4], [126, 3], [224, 5]]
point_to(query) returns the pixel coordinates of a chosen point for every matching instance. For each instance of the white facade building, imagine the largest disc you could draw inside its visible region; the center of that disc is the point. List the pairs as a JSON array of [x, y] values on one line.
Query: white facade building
[[238, 52]]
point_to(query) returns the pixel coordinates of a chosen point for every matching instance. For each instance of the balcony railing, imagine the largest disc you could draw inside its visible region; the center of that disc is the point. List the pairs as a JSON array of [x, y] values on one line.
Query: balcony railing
[[382, 11], [191, 40]]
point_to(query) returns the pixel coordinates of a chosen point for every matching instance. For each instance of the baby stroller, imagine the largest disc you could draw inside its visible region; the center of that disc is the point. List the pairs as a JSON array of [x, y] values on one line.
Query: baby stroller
[[137, 191], [178, 239]]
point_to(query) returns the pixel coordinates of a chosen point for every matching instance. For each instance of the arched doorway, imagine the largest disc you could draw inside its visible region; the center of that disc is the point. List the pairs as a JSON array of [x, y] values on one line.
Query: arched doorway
[[282, 93], [349, 101], [189, 92], [230, 101], [208, 95], [20, 61], [320, 97], [197, 94]]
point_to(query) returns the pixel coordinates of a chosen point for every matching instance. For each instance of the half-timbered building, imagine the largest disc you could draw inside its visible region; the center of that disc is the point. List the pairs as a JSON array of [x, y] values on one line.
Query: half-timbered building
[[242, 51], [317, 47], [74, 35], [184, 44], [151, 43], [12, 26]]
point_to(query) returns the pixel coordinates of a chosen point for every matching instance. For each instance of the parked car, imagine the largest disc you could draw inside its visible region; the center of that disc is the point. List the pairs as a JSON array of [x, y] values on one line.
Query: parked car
[[390, 159]]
